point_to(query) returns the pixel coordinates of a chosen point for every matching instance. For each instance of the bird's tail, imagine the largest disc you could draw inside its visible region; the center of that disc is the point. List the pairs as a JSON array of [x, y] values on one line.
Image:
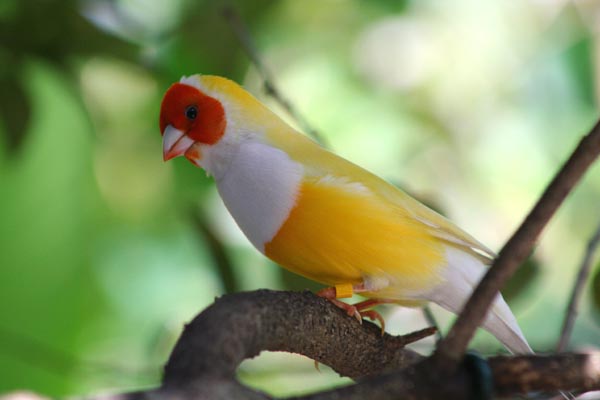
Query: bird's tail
[[501, 323], [460, 277]]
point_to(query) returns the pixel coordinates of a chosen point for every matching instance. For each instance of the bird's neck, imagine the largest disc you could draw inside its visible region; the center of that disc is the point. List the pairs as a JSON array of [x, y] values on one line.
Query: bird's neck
[[217, 158]]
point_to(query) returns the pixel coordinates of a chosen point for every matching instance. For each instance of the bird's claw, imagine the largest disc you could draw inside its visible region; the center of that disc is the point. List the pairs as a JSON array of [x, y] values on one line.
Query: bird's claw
[[353, 312], [358, 310]]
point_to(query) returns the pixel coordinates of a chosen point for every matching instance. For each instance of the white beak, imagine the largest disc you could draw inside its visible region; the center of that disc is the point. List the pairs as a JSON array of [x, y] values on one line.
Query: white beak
[[175, 143]]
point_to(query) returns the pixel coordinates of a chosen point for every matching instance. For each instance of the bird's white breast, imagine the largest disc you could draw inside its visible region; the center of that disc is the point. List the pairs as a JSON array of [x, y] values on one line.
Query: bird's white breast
[[260, 189]]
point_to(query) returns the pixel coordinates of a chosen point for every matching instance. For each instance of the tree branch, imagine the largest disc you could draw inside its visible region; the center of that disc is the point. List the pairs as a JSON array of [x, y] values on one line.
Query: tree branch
[[584, 271], [452, 347], [239, 326], [549, 373], [242, 33]]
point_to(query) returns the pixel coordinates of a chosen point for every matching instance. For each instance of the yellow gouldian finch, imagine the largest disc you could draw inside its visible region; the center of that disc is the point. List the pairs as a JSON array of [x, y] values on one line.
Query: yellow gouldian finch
[[321, 216]]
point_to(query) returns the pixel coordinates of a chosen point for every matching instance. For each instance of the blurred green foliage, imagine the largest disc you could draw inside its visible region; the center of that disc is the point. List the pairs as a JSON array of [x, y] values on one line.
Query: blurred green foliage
[[105, 251]]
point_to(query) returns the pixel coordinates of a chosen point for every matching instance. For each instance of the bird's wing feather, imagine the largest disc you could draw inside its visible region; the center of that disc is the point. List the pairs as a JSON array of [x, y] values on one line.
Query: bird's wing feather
[[445, 230], [320, 162]]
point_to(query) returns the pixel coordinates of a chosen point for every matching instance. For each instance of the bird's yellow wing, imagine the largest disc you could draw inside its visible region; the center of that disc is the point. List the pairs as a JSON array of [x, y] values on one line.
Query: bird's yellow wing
[[340, 232], [320, 162]]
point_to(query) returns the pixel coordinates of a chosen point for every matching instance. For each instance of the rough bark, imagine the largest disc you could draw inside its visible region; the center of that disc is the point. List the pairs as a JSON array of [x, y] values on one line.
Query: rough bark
[[239, 326]]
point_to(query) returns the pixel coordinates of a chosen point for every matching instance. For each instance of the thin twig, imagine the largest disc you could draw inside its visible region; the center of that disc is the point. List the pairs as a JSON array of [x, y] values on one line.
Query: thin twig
[[584, 271], [243, 35], [431, 320], [516, 250], [418, 335]]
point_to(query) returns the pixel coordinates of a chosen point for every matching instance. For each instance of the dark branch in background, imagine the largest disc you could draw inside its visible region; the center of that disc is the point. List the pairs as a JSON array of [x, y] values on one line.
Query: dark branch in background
[[451, 349], [529, 373], [242, 33], [217, 251], [584, 271], [239, 326]]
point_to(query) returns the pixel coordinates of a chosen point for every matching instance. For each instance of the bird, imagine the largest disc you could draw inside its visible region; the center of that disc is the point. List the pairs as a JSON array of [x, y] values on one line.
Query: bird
[[321, 216]]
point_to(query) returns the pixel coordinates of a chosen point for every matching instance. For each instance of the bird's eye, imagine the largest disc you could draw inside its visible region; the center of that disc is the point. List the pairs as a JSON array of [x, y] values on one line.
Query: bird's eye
[[191, 112]]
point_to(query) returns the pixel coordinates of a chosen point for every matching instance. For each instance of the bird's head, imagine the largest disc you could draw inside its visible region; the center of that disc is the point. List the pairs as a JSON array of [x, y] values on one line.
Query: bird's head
[[190, 118], [207, 118]]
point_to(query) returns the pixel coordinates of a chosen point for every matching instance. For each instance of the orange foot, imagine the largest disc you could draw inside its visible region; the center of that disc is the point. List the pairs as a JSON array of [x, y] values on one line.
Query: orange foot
[[359, 310]]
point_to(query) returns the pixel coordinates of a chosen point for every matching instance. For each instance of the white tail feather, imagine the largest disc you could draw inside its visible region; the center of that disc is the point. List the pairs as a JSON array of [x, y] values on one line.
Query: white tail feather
[[461, 276]]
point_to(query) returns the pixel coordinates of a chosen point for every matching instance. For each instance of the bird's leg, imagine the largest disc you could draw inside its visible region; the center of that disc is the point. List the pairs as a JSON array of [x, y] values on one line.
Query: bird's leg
[[330, 294], [359, 310]]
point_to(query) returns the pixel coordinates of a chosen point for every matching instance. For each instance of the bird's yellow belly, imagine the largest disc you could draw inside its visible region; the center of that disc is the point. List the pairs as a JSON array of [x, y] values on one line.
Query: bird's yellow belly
[[342, 234]]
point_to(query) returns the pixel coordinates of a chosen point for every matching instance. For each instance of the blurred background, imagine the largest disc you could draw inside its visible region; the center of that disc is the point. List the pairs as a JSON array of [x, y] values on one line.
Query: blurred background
[[106, 251]]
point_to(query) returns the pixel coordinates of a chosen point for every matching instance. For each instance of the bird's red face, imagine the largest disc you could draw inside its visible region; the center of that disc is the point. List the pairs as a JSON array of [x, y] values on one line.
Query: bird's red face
[[187, 117]]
